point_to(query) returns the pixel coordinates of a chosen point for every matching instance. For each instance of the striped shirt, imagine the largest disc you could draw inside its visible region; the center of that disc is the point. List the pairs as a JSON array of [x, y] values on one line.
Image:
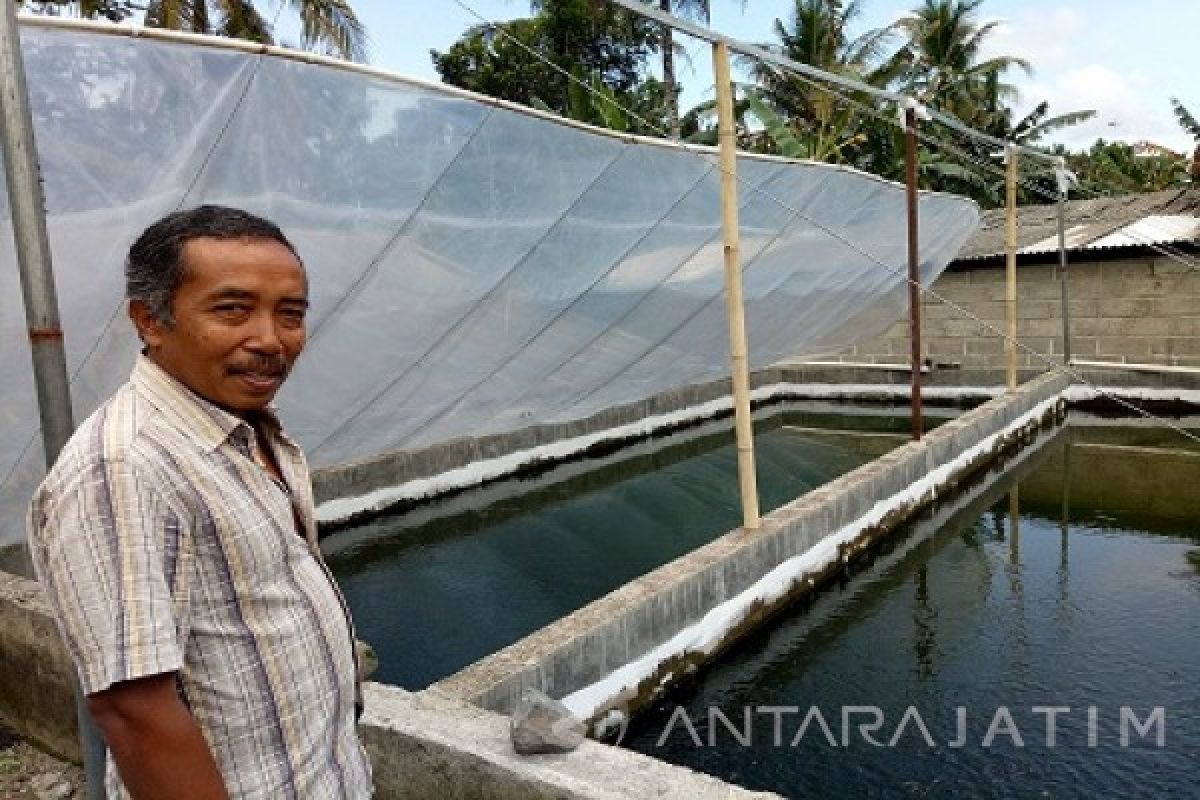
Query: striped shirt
[[164, 546]]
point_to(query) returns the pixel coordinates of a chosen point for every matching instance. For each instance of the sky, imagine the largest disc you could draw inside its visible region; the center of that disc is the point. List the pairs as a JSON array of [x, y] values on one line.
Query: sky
[[1123, 59]]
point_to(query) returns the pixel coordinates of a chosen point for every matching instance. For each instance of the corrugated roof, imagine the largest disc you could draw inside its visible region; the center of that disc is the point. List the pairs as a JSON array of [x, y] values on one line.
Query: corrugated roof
[[1169, 217], [1154, 229]]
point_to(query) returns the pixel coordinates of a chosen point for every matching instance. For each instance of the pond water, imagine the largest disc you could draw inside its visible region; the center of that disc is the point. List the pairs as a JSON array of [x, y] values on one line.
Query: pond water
[[1069, 588], [435, 589]]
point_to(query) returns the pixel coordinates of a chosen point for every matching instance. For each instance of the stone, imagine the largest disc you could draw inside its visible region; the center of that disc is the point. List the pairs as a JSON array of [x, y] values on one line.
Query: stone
[[51, 786], [368, 660], [541, 724]]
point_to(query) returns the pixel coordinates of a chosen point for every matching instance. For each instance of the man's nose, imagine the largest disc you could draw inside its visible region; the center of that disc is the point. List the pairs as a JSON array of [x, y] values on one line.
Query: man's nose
[[265, 338]]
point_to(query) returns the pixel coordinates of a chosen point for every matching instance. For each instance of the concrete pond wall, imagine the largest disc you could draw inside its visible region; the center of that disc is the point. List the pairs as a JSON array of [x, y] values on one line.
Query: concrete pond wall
[[451, 740], [378, 484], [621, 651], [421, 745]]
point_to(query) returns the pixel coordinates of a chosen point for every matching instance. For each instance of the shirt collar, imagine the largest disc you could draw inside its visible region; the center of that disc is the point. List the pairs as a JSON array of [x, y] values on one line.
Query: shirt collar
[[210, 425]]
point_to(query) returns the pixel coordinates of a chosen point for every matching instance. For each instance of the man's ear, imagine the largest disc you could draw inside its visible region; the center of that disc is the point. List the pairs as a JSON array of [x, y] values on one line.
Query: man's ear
[[149, 328]]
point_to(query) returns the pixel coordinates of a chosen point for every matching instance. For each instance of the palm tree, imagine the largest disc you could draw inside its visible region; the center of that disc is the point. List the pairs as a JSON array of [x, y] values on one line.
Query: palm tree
[[327, 25], [942, 65], [112, 10], [825, 126], [330, 25], [689, 9], [1192, 126]]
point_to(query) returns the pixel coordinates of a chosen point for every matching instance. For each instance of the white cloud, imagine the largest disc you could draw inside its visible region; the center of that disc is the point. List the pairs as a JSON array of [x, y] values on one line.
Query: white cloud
[[1055, 40], [1046, 40], [1128, 106]]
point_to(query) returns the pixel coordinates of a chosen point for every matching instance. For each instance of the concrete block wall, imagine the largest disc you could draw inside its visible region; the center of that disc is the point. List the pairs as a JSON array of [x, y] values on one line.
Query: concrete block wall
[[1137, 310]]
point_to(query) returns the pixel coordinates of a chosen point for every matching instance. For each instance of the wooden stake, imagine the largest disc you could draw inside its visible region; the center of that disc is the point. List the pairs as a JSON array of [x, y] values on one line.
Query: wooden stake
[[1010, 287], [914, 270], [734, 305], [1063, 276]]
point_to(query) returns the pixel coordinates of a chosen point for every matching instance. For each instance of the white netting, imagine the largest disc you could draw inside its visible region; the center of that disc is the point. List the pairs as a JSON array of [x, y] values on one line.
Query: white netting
[[473, 268]]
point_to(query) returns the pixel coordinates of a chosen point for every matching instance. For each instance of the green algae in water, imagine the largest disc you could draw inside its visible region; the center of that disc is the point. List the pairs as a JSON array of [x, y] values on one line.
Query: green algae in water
[[1097, 607], [434, 596]]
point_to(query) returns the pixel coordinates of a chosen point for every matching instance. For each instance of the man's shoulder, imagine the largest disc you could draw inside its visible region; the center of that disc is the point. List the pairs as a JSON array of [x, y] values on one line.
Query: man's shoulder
[[109, 435]]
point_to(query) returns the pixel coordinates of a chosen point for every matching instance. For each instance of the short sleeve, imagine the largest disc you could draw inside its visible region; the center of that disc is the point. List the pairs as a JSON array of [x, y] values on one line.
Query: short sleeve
[[110, 555]]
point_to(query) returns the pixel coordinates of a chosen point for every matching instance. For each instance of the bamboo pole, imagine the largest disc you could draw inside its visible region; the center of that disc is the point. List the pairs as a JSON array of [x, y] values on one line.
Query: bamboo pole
[[914, 270], [1010, 287], [734, 304]]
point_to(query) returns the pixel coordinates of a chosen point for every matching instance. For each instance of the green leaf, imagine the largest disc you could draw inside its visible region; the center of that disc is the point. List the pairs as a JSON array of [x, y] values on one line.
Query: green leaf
[[777, 128]]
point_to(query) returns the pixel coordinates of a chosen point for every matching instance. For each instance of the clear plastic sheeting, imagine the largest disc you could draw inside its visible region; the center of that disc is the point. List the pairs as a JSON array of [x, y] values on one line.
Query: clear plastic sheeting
[[474, 267]]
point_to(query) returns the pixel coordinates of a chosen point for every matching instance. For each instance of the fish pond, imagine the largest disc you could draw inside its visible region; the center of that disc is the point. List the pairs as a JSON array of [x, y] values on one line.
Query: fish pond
[[1036, 636], [441, 586]]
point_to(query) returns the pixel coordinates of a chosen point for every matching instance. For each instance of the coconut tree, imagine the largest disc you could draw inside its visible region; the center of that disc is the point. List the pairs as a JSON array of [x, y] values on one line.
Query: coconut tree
[[826, 126], [942, 60], [112, 10], [327, 25], [695, 9], [1192, 126]]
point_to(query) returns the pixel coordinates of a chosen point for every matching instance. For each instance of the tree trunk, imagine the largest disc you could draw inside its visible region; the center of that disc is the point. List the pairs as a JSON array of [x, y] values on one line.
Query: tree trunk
[[668, 46], [200, 16]]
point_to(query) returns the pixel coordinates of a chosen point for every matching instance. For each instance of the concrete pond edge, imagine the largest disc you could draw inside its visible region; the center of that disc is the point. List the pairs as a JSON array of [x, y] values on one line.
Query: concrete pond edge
[[623, 650], [613, 657]]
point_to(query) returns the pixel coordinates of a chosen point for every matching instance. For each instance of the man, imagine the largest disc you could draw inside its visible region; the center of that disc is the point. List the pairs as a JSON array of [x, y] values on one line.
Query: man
[[176, 542]]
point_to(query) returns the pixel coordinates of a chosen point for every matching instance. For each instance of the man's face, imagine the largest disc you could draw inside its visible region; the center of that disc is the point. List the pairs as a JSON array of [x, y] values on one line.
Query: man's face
[[239, 321]]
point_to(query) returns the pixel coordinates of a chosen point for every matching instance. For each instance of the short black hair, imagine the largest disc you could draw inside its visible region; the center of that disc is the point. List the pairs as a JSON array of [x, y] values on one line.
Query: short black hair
[[154, 268]]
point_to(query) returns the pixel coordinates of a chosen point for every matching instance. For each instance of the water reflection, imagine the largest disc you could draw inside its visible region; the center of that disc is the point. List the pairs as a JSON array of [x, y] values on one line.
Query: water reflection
[[1064, 526], [1057, 585], [924, 623]]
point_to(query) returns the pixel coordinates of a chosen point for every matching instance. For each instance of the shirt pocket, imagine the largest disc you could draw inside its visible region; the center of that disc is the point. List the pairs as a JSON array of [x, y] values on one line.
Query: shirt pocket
[[239, 543]]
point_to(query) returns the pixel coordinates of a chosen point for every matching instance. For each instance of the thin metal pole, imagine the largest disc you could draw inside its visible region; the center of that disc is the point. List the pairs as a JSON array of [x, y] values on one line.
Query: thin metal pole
[[1063, 274], [734, 305], [28, 208], [914, 270], [33, 245], [1010, 287]]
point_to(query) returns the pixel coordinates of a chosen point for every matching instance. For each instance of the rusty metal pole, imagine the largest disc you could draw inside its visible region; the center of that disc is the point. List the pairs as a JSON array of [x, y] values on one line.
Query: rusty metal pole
[[27, 206], [734, 304], [914, 269]]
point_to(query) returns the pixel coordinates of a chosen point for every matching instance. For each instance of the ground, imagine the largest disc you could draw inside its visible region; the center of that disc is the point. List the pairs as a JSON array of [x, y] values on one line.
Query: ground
[[27, 773]]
